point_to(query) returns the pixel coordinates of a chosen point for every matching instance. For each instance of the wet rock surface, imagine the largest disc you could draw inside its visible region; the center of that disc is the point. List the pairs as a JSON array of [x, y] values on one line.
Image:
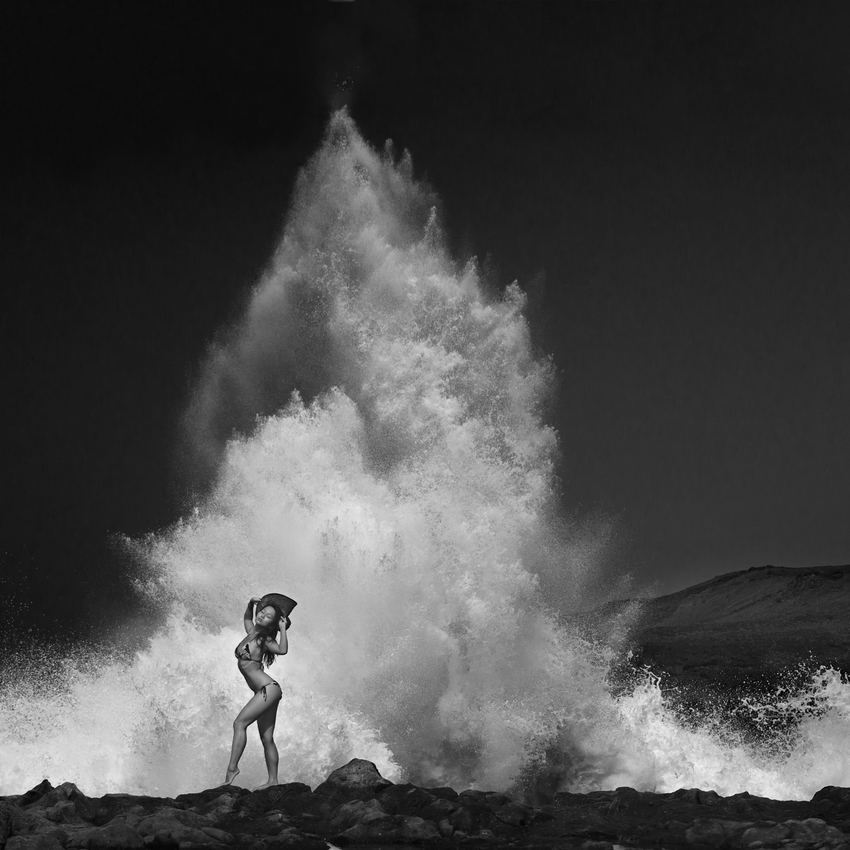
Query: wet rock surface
[[356, 806]]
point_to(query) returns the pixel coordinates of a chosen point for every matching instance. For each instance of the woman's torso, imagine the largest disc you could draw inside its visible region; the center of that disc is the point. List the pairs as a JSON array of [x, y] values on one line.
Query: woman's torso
[[249, 657]]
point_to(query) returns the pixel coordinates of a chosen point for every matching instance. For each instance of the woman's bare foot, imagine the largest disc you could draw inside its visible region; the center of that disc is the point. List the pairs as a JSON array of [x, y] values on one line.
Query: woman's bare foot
[[268, 784], [231, 775]]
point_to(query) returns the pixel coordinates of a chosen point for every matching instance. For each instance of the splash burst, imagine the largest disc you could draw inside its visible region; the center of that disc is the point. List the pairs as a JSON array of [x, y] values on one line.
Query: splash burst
[[404, 494]]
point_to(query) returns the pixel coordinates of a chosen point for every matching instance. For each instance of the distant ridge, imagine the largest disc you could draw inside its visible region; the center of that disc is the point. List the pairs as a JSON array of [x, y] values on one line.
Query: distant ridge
[[742, 626]]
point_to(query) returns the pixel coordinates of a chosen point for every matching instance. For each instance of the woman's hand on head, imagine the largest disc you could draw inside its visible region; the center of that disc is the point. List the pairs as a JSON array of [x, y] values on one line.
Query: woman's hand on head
[[255, 600]]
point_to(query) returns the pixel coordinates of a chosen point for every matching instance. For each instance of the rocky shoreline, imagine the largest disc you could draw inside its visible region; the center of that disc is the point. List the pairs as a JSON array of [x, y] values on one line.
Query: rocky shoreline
[[356, 806]]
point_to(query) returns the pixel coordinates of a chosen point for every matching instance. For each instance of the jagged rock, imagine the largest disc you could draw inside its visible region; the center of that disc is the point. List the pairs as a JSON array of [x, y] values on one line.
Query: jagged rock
[[45, 808], [177, 835], [358, 811], [34, 794], [835, 796], [444, 793], [417, 829], [514, 814], [218, 834], [289, 837], [7, 811], [168, 815], [367, 822], [64, 812], [745, 804], [132, 817], [14, 821], [110, 806], [813, 830], [466, 819], [697, 796], [33, 842], [391, 829], [170, 826], [473, 798], [713, 832], [33, 823], [218, 807], [438, 810], [66, 802], [293, 839], [115, 836], [208, 798], [477, 812], [357, 780], [675, 828], [293, 796], [415, 801], [765, 835], [356, 805], [445, 828], [563, 799]]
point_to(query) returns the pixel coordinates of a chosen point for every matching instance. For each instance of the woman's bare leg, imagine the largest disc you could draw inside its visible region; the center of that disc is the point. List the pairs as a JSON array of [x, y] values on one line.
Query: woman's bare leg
[[256, 706], [265, 726]]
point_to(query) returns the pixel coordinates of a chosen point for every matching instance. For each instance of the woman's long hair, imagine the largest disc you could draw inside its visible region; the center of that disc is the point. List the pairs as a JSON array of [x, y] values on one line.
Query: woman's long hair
[[270, 632]]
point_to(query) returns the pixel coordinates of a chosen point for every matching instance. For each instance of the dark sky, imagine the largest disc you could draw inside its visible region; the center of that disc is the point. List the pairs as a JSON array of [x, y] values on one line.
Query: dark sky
[[669, 181]]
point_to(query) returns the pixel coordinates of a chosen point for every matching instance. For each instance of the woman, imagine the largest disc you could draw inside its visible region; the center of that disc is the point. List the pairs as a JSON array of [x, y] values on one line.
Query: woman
[[258, 647]]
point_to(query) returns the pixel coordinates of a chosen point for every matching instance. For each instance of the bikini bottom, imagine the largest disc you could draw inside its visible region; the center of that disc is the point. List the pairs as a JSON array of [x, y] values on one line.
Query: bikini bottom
[[268, 685]]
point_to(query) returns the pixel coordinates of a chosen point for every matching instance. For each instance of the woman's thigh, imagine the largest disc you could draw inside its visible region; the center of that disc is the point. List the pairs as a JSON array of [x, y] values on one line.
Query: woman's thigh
[[266, 721], [258, 705]]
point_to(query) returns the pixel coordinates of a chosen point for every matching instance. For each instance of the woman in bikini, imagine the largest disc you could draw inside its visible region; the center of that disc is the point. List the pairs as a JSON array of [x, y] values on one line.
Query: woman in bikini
[[260, 647]]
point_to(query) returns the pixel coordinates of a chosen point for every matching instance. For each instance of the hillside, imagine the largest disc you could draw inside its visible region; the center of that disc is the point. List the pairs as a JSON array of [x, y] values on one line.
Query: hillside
[[742, 626]]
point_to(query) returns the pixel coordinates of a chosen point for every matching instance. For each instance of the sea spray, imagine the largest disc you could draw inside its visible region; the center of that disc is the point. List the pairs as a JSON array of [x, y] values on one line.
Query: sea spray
[[375, 428], [809, 751]]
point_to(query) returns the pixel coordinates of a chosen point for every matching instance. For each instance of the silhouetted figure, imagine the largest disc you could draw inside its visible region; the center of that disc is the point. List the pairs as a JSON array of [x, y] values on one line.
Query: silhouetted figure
[[259, 648]]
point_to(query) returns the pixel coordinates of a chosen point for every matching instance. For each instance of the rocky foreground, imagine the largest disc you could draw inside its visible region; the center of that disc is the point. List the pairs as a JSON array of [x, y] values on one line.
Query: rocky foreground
[[357, 806]]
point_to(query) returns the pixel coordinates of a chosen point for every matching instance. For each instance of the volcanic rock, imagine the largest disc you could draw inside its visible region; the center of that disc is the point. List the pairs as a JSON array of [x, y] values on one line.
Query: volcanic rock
[[33, 842], [378, 812], [115, 835], [358, 780], [6, 810], [292, 797]]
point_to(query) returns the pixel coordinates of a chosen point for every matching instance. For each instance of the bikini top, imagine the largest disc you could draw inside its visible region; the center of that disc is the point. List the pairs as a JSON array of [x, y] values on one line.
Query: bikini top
[[242, 652]]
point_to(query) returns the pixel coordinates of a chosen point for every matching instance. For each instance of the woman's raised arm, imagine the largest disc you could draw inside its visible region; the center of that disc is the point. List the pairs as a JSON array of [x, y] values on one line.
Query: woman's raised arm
[[249, 613], [281, 645]]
